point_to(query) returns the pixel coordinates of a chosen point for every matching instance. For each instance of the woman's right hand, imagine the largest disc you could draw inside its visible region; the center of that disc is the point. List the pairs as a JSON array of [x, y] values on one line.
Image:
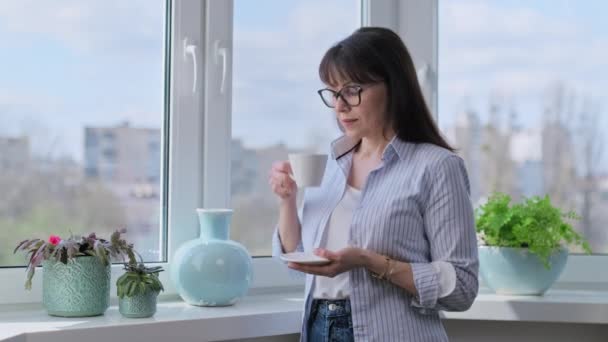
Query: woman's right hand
[[280, 181]]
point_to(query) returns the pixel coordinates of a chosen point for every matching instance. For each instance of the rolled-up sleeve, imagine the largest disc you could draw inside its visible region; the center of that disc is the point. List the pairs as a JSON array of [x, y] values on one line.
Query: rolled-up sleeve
[[450, 228]]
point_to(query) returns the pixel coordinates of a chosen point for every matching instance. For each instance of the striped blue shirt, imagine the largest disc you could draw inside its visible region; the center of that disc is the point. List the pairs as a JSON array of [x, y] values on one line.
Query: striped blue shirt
[[414, 207]]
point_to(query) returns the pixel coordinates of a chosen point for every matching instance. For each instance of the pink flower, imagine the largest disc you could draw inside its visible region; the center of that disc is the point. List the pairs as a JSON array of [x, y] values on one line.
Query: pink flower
[[54, 240]]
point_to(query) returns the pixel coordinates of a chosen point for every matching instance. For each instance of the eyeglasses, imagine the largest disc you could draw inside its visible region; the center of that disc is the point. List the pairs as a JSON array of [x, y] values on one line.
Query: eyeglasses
[[351, 94]]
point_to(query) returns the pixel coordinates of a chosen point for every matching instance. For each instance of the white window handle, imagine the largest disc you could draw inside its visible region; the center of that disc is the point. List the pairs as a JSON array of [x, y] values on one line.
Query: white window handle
[[190, 49], [221, 56]]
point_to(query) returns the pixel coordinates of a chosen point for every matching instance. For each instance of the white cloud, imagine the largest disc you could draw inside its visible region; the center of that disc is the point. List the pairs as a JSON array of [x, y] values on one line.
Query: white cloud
[[596, 54], [526, 146], [14, 104], [514, 82], [487, 46], [317, 22], [481, 18], [276, 76], [108, 26], [312, 27]]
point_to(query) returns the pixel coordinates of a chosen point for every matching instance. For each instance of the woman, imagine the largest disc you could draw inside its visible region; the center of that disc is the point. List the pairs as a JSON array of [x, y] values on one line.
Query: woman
[[393, 213]]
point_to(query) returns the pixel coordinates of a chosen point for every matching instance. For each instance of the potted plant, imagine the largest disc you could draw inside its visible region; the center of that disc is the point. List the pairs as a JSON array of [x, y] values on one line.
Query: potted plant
[[76, 271], [523, 247], [138, 289]]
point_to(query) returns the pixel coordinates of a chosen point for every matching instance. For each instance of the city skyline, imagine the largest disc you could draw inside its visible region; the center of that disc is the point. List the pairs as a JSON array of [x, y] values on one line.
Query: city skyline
[[518, 175]]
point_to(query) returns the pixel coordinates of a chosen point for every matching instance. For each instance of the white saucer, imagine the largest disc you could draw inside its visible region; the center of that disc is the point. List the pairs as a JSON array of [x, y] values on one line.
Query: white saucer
[[304, 258]]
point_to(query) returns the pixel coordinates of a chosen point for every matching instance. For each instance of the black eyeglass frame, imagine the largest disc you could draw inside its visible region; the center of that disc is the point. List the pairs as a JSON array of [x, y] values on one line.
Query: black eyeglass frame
[[337, 94]]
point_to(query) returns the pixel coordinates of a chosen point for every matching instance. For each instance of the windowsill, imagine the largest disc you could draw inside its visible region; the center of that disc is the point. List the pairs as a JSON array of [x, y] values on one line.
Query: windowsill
[[557, 305], [253, 316], [273, 314]]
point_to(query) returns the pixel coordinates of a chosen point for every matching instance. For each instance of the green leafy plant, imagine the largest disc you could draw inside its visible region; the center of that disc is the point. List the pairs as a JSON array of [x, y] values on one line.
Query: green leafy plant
[[64, 250], [138, 280], [534, 224]]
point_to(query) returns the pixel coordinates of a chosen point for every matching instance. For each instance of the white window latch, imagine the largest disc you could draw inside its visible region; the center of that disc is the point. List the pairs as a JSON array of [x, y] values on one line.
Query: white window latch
[[221, 56], [189, 49]]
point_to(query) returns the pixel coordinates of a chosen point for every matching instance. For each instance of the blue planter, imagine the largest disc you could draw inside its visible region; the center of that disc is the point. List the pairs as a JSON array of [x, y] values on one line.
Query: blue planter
[[516, 271], [79, 288], [212, 270], [141, 305]]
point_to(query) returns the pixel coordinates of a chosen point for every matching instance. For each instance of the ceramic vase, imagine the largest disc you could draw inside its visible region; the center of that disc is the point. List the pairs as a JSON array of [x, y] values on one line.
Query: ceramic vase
[[212, 270]]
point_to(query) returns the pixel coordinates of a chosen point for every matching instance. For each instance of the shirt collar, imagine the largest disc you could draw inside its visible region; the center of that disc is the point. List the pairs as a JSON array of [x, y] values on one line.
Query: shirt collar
[[342, 146], [345, 144]]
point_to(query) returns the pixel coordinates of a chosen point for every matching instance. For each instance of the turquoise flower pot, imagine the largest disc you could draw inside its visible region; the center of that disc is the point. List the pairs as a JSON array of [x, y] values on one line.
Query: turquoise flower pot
[[138, 306], [212, 270], [516, 271], [79, 289]]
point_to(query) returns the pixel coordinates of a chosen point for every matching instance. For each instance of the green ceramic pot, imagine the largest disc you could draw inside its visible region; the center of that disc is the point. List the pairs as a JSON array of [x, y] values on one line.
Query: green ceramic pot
[[79, 289], [139, 306]]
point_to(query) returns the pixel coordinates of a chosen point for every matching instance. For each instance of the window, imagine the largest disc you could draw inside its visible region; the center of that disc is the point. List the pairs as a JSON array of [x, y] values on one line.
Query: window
[[82, 98], [226, 87], [275, 106], [522, 94]]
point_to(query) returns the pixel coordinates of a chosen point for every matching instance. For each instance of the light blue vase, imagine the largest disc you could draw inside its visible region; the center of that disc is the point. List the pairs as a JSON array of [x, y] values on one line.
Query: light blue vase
[[79, 288], [212, 270], [516, 271]]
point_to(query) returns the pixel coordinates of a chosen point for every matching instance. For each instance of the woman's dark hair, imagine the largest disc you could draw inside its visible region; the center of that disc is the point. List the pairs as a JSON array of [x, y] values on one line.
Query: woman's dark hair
[[374, 54]]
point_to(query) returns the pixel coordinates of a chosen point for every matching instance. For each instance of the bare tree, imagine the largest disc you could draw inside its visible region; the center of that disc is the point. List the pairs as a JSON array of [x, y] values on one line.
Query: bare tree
[[467, 135], [590, 148], [559, 169], [48, 197], [46, 143], [498, 172], [572, 152]]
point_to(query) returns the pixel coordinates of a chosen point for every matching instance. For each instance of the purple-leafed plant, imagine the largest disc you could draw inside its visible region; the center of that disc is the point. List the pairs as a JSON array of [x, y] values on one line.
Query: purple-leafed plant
[[63, 250]]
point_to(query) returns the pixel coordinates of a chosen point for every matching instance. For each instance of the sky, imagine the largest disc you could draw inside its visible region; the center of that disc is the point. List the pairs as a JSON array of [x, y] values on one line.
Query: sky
[[276, 58], [73, 63], [100, 62], [518, 50]]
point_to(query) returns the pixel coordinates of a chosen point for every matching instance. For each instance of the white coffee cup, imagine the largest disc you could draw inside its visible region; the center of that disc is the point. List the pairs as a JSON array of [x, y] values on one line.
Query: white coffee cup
[[308, 168]]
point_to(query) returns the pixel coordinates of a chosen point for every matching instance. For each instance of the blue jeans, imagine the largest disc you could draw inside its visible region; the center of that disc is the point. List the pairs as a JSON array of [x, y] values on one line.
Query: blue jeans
[[330, 321]]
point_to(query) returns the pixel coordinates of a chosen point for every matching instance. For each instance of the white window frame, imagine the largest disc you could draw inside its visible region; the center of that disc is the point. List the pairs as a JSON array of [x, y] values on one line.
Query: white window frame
[[200, 131]]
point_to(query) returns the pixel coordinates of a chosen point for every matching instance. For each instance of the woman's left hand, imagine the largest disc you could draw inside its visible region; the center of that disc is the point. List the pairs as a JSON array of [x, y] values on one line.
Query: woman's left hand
[[340, 261]]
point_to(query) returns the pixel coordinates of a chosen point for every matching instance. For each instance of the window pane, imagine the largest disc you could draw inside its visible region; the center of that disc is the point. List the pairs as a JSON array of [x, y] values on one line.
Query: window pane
[[81, 112], [276, 108], [522, 94]]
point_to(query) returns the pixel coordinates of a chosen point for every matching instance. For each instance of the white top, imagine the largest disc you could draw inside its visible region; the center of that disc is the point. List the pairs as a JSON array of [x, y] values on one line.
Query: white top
[[336, 238]]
